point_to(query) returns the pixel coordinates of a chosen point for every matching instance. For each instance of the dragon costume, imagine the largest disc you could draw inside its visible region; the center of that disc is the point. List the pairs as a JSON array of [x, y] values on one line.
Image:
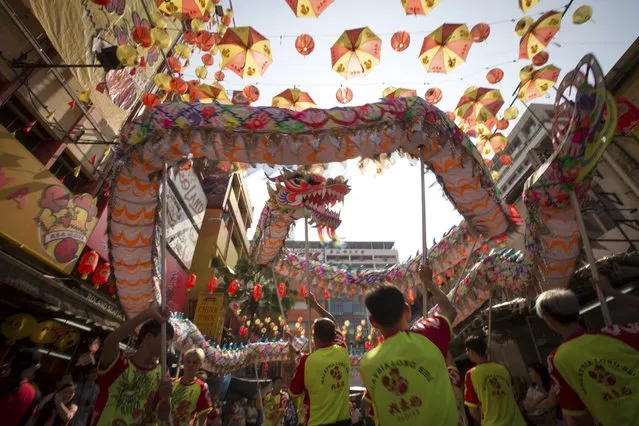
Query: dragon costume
[[294, 195]]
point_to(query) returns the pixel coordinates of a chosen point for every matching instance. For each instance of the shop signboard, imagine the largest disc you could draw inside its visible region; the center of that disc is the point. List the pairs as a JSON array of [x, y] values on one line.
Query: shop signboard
[[209, 315], [181, 235], [39, 213], [189, 188]]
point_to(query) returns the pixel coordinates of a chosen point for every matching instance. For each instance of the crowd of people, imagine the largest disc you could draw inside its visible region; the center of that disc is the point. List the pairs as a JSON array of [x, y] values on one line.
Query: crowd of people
[[410, 378]]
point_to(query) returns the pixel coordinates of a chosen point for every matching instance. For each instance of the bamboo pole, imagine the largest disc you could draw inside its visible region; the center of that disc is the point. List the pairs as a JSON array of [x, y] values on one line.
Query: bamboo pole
[[308, 287], [424, 241]]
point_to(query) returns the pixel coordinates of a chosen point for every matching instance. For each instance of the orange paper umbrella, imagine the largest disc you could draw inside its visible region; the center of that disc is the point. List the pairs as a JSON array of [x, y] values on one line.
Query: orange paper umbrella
[[419, 7], [293, 99], [207, 93], [304, 44], [539, 83], [344, 95], [524, 5], [480, 32], [182, 9], [539, 34], [245, 52], [400, 41], [445, 48], [479, 106], [396, 93], [434, 95], [308, 8], [356, 52]]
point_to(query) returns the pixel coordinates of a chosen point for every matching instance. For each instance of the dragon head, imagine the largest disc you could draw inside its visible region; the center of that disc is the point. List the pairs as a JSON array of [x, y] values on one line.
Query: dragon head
[[304, 193]]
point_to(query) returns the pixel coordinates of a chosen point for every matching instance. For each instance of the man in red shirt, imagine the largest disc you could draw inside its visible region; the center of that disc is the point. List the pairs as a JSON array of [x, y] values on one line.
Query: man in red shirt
[[18, 396], [596, 372], [323, 376]]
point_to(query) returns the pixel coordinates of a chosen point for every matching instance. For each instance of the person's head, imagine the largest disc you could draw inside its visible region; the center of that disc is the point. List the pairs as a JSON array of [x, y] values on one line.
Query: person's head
[[323, 332], [538, 374], [559, 308], [150, 339], [244, 401], [476, 349], [388, 308], [277, 384], [66, 392], [25, 364], [192, 360]]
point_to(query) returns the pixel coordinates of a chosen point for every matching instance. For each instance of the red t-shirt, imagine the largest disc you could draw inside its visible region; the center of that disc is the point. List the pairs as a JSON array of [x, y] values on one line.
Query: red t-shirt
[[14, 406], [598, 371]]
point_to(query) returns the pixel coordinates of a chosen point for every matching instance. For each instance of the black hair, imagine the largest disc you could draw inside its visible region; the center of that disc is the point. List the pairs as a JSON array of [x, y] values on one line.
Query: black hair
[[154, 328], [476, 344], [22, 366], [324, 330], [386, 305], [543, 374]]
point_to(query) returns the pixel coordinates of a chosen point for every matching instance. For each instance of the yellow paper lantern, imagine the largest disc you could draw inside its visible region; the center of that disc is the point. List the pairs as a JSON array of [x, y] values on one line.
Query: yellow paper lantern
[[511, 113], [68, 341], [161, 38], [582, 15], [127, 55], [201, 72], [183, 51], [158, 19], [495, 175], [197, 25], [18, 326], [46, 332], [85, 96], [163, 81]]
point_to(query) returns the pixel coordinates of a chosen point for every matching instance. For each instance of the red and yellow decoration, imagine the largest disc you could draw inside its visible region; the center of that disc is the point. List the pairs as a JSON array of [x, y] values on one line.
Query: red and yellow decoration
[[356, 52], [245, 52], [419, 7], [539, 34], [446, 48], [308, 8], [293, 99], [538, 82]]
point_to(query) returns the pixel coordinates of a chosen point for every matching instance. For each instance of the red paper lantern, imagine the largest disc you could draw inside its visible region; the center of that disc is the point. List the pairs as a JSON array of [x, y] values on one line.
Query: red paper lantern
[[251, 93], [207, 59], [150, 100], [226, 20], [88, 263], [190, 37], [179, 86], [174, 64], [205, 41], [212, 284], [540, 58], [411, 296], [505, 160], [304, 44], [142, 36], [400, 41], [281, 289], [344, 95], [488, 163], [101, 275], [257, 292], [303, 291], [219, 76], [434, 95], [234, 285], [495, 75], [502, 124], [327, 294], [190, 281], [480, 32]]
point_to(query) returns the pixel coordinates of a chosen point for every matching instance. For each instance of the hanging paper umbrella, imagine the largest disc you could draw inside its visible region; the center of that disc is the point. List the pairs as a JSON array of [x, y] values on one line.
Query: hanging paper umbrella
[[304, 44], [245, 52], [356, 52], [183, 9], [400, 41], [251, 93], [539, 83], [207, 93], [478, 129], [419, 7], [524, 5], [205, 40], [495, 75], [540, 58], [308, 8], [523, 25], [479, 106], [434, 95], [344, 95], [511, 113], [539, 34], [396, 93], [445, 48], [480, 32], [293, 99], [582, 15]]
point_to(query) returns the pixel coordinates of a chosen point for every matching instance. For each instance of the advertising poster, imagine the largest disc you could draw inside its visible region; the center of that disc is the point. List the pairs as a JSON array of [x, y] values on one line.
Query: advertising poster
[[209, 315]]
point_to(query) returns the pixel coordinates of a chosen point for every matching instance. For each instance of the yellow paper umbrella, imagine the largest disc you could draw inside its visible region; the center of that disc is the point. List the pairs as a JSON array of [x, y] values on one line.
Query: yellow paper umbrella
[[293, 99], [396, 93], [479, 105], [539, 34], [18, 326], [308, 8], [245, 52], [206, 93], [539, 83], [419, 7], [582, 15], [356, 52], [524, 5], [446, 48]]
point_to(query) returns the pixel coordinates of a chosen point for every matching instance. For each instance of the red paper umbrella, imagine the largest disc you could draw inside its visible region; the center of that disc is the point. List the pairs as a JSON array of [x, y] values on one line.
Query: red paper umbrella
[[179, 86], [480, 32], [494, 75], [174, 65], [304, 44], [344, 95], [251, 93], [400, 41], [540, 58], [205, 40], [433, 95], [142, 36]]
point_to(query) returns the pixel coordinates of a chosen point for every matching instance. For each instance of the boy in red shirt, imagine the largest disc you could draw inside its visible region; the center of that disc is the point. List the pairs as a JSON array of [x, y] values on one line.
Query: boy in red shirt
[[190, 400]]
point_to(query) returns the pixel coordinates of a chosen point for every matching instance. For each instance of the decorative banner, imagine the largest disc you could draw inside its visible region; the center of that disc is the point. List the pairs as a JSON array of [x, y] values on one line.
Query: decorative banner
[[188, 186], [181, 235], [38, 211], [176, 292], [209, 315]]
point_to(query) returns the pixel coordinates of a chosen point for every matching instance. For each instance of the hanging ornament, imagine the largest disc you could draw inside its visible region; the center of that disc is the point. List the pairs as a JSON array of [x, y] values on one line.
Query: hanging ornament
[[88, 262], [257, 292], [411, 296], [213, 285], [174, 64], [400, 41], [344, 95], [197, 25], [495, 175], [183, 51], [303, 291], [511, 113], [161, 38], [480, 32], [433, 95], [142, 36], [251, 93], [101, 275], [18, 326], [207, 59], [502, 124], [304, 44], [495, 75], [327, 294], [142, 63], [178, 86], [163, 81], [540, 58], [281, 290], [234, 286], [27, 127], [523, 25], [582, 15], [190, 281], [150, 100], [505, 160], [219, 75], [201, 72]]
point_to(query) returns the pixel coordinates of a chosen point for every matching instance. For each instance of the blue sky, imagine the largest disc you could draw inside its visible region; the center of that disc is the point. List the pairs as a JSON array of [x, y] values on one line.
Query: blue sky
[[387, 206]]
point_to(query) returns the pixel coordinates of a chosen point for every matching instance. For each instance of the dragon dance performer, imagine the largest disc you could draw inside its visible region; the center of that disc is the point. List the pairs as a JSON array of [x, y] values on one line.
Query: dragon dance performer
[[190, 401], [597, 371], [458, 390], [323, 376], [273, 404], [489, 392], [405, 376]]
